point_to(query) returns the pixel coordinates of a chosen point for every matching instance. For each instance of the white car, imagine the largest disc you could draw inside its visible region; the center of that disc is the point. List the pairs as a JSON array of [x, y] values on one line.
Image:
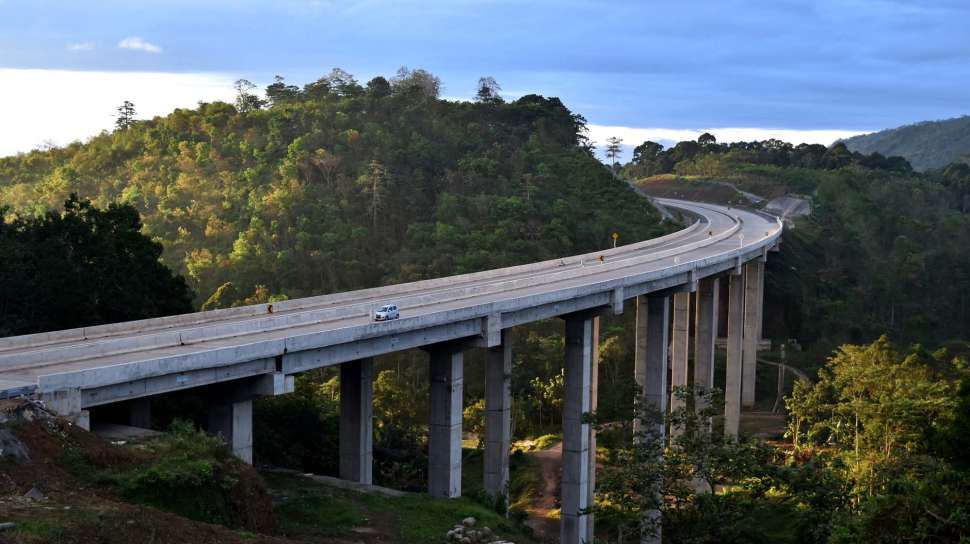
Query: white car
[[387, 312]]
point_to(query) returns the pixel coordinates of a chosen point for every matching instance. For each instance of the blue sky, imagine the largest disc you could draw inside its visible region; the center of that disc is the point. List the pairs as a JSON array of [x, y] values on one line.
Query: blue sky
[[637, 69]]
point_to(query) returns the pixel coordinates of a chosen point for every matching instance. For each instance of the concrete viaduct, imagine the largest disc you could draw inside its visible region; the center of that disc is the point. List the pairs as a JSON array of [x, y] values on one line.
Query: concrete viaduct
[[242, 353]]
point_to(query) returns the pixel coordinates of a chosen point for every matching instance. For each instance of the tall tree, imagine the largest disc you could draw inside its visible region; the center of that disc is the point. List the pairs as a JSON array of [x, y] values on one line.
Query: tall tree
[[246, 101], [372, 183], [126, 115], [488, 90], [279, 92], [613, 149]]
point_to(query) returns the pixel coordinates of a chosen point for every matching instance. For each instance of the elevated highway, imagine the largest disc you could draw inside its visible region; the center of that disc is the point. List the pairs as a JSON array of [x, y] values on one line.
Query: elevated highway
[[240, 353]]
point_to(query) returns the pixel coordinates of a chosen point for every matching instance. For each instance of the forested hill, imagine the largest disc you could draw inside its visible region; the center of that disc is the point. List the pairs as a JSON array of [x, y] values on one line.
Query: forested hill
[[927, 145], [883, 251], [339, 185]]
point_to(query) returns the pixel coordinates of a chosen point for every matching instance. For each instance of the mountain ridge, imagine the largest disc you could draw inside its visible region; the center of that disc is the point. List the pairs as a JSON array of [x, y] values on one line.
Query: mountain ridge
[[927, 145]]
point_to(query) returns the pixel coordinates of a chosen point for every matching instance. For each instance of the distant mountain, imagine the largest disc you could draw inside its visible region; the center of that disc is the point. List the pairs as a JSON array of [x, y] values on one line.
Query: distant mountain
[[926, 145]]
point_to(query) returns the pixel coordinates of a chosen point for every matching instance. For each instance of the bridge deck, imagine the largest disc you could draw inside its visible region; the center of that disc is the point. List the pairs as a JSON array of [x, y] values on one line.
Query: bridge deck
[[720, 235]]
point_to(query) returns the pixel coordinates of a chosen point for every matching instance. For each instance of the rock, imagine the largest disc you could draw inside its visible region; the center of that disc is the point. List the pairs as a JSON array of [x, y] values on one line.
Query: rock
[[468, 522], [35, 494], [11, 446]]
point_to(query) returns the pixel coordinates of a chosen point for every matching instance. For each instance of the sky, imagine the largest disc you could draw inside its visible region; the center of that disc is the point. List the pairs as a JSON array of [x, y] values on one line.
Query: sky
[[803, 71]]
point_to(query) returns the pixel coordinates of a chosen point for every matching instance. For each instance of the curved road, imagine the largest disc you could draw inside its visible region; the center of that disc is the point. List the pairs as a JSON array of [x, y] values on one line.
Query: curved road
[[307, 333]]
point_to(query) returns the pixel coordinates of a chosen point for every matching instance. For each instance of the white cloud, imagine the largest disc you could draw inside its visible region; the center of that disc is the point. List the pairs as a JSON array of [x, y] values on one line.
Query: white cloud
[[138, 44], [63, 106], [635, 136], [82, 46]]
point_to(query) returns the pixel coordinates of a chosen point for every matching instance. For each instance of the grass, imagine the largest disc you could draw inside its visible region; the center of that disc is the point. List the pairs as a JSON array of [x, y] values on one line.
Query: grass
[[542, 442], [184, 471], [307, 508], [308, 511]]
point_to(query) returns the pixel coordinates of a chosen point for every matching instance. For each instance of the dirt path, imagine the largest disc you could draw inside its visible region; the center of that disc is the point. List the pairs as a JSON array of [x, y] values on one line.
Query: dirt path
[[550, 465]]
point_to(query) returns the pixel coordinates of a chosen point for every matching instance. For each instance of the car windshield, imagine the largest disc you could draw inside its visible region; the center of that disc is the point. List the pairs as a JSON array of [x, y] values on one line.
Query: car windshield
[[385, 308]]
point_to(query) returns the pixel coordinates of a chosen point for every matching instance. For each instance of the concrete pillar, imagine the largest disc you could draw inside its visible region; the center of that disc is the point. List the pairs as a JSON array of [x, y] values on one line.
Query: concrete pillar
[[357, 421], [640, 362], [753, 272], [679, 347], [575, 495], [233, 421], [732, 381], [650, 369], [705, 331], [650, 357], [444, 429], [141, 413], [498, 417], [594, 357]]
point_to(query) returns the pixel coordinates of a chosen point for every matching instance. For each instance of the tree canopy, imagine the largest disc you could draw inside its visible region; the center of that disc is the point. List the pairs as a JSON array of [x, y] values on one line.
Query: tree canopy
[[335, 186], [84, 266]]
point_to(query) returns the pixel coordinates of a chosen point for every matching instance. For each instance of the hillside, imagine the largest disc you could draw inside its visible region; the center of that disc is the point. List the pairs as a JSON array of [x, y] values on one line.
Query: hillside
[[927, 145], [883, 250], [338, 186]]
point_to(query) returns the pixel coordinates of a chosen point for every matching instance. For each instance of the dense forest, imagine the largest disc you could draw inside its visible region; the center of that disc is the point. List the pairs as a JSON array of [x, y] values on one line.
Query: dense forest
[[872, 284], [927, 145], [339, 185], [883, 251]]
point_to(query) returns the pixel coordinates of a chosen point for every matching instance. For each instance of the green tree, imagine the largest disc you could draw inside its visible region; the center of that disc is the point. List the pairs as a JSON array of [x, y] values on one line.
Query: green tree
[[488, 90], [126, 115], [613, 149], [246, 101], [85, 266]]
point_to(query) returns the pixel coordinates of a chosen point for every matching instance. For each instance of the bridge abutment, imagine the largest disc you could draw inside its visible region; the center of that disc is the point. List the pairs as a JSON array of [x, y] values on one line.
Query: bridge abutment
[[67, 403]]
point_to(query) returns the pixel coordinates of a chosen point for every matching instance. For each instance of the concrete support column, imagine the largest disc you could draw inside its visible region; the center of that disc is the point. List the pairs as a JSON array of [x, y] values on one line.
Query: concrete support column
[[640, 362], [233, 421], [231, 409], [444, 429], [705, 331], [141, 413], [594, 383], [650, 369], [679, 347], [653, 332], [753, 274], [498, 417], [356, 421], [732, 382], [574, 522]]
